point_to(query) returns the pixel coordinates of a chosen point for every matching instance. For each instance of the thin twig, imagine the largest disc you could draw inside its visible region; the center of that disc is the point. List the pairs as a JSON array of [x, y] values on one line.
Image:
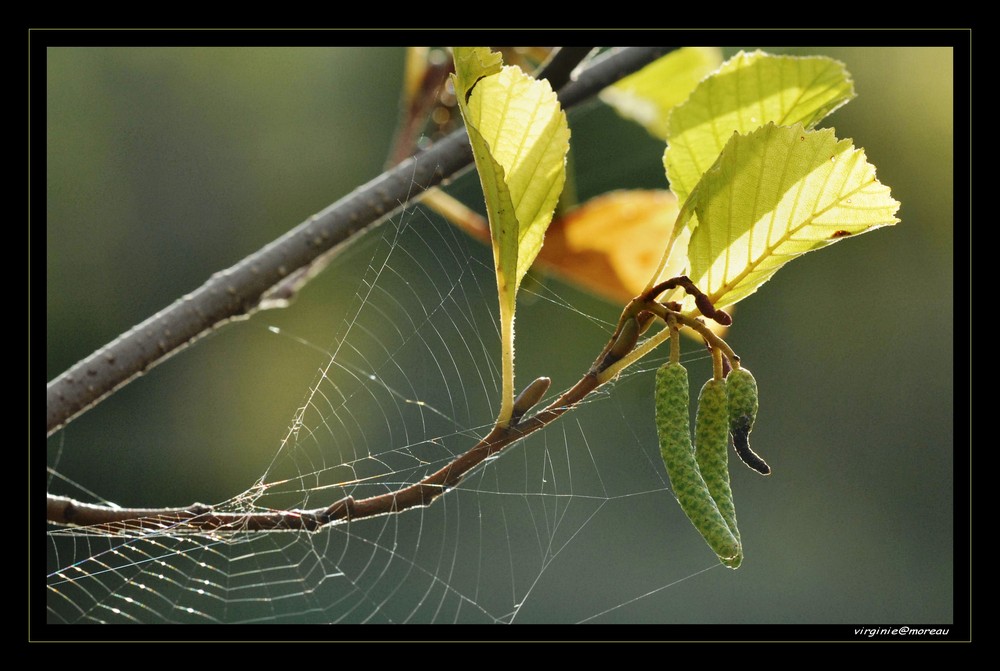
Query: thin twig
[[238, 292], [199, 518]]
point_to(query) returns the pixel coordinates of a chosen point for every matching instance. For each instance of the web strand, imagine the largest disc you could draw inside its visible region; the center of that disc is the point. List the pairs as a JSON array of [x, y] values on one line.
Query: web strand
[[408, 384]]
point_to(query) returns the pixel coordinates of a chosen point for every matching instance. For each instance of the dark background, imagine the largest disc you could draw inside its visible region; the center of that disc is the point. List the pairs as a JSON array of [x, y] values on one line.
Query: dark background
[[168, 164]]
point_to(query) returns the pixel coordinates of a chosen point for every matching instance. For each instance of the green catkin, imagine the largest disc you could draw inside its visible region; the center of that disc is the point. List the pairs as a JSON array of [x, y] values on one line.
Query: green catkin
[[742, 391], [673, 425], [712, 453]]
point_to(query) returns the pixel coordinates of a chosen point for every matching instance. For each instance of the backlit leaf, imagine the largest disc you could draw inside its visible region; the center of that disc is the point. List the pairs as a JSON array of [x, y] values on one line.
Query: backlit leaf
[[525, 129], [471, 65], [774, 194], [519, 139], [648, 96], [748, 91]]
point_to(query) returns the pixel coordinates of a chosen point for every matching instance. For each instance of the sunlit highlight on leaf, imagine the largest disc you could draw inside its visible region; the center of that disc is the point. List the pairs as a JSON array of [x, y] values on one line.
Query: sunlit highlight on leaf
[[748, 91], [648, 96], [775, 194], [519, 139]]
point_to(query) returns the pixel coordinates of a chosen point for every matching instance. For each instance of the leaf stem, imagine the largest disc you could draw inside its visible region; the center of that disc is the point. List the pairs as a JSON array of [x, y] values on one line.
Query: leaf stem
[[639, 352], [683, 216], [718, 371], [507, 360], [675, 343]]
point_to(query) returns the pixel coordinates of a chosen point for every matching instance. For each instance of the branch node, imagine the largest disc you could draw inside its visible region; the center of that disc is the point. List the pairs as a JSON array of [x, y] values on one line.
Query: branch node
[[340, 510], [199, 509]]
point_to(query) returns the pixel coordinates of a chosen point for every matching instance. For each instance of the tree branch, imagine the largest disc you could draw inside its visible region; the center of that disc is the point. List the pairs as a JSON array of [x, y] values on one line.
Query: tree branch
[[239, 291], [200, 518]]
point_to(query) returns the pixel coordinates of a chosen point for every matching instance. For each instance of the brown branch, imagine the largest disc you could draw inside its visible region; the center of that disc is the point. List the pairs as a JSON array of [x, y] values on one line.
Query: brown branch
[[200, 518], [197, 517]]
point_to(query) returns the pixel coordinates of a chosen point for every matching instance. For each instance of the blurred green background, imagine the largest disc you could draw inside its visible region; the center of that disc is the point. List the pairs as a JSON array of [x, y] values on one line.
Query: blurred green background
[[168, 164]]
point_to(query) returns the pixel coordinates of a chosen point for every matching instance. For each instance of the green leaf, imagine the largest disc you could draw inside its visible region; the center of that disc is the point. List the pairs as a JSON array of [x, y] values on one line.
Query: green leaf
[[520, 120], [471, 65], [519, 138], [648, 96], [501, 213], [775, 194], [748, 91]]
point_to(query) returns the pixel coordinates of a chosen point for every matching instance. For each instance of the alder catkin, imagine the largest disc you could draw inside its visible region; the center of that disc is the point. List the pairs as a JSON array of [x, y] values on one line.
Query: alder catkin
[[712, 453], [741, 388], [673, 425]]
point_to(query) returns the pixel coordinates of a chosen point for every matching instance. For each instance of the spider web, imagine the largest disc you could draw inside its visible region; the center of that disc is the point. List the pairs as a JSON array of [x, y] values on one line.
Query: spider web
[[410, 382], [574, 524]]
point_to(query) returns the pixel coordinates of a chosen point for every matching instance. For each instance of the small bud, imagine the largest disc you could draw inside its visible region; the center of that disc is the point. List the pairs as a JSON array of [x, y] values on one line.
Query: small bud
[[645, 319], [628, 336], [529, 398]]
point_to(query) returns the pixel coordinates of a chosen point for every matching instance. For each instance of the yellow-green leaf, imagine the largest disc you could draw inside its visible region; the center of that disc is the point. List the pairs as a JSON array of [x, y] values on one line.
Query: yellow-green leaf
[[774, 194], [520, 120], [501, 213], [471, 65], [647, 96], [519, 138], [748, 91]]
